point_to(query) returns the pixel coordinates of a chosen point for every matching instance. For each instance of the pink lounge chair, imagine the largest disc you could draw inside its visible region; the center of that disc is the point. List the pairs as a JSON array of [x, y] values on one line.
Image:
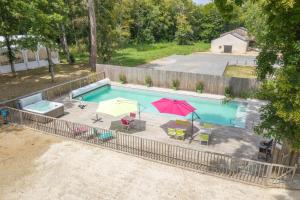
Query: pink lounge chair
[[132, 116], [77, 130]]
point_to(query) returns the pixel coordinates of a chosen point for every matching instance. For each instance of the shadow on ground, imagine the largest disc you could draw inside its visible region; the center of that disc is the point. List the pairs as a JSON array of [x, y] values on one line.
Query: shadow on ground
[[139, 126]]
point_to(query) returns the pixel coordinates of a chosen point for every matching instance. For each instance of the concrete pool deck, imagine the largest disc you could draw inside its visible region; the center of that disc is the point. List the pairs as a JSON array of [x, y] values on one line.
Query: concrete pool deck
[[239, 142]]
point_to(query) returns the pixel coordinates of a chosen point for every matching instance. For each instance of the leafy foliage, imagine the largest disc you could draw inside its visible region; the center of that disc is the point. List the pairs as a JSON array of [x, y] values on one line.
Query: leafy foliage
[[276, 25], [122, 78], [175, 84], [184, 33], [199, 87], [148, 81], [281, 117]]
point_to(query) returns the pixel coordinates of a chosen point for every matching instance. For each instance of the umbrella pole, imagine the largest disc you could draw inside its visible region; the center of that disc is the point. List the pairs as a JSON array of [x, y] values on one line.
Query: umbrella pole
[[139, 111], [192, 125]]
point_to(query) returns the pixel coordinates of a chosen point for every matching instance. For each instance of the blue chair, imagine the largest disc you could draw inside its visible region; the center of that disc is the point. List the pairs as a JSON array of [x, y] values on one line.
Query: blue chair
[[105, 136], [4, 113]]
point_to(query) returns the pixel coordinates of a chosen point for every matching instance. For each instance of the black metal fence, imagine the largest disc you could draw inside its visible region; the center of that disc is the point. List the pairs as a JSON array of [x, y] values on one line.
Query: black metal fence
[[244, 170]]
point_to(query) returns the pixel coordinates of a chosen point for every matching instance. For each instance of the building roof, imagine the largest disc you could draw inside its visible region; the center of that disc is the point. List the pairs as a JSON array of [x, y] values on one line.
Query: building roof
[[241, 33]]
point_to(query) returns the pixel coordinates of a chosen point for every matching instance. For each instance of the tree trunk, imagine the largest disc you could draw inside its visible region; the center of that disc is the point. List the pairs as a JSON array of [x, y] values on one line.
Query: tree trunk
[[93, 39], [10, 54], [51, 69], [64, 43]]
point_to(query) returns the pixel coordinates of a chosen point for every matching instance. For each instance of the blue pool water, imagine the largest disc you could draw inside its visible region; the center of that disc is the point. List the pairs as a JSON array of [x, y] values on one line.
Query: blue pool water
[[211, 111]]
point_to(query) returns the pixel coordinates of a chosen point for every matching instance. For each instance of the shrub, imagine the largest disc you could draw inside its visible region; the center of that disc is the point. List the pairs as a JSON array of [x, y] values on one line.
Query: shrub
[[228, 92], [175, 84], [148, 81], [72, 59], [199, 87], [184, 33], [122, 78], [249, 94], [228, 95]]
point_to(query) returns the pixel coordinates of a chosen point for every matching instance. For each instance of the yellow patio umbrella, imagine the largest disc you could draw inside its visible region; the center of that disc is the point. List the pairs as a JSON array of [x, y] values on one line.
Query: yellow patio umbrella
[[118, 106]]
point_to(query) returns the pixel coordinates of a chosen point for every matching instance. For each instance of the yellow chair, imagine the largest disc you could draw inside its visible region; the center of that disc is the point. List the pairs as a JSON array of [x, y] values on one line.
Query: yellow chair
[[204, 137], [182, 122], [180, 134], [171, 132], [207, 125]]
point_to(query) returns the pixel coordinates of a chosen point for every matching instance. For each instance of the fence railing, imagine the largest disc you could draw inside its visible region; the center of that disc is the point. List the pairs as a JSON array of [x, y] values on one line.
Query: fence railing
[[60, 89], [188, 81], [245, 170]]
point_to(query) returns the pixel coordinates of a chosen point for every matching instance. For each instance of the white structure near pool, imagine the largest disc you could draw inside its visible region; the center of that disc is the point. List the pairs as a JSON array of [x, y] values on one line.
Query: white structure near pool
[[26, 59]]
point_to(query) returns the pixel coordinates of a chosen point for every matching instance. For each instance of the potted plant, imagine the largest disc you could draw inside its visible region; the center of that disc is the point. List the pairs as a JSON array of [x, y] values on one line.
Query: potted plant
[[122, 78], [199, 87], [148, 81], [228, 95], [175, 84]]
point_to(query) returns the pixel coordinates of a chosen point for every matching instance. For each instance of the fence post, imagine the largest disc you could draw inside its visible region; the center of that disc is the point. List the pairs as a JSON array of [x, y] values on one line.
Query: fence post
[[269, 174], [55, 127], [117, 140], [294, 172], [21, 117], [141, 147]]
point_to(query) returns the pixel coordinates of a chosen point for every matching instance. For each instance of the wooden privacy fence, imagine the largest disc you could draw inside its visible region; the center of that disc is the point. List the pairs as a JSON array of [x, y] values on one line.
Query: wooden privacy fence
[[161, 78], [60, 89], [244, 170]]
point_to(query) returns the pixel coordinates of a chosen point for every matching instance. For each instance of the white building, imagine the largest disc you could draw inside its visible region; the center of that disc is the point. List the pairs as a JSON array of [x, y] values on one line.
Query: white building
[[235, 41], [26, 59]]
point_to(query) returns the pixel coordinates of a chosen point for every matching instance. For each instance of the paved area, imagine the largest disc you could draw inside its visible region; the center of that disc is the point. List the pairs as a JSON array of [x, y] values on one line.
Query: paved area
[[71, 170], [201, 63], [229, 140]]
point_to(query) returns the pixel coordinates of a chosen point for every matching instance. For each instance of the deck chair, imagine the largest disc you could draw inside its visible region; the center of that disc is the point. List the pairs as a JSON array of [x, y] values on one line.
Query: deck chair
[[125, 124], [180, 134], [208, 126], [78, 130], [204, 137], [171, 132], [103, 136], [4, 115], [182, 122]]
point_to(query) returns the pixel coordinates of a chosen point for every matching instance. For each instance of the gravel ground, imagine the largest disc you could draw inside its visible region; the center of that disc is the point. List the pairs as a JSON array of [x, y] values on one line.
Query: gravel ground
[[60, 169]]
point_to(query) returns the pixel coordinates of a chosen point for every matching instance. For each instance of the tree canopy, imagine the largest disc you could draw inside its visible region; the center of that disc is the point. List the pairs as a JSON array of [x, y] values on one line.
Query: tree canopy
[[276, 26]]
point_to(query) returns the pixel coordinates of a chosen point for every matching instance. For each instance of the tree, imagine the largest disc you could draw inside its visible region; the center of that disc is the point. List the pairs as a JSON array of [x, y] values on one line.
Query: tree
[[184, 33], [11, 24], [106, 28], [93, 34], [278, 37], [44, 20], [64, 44]]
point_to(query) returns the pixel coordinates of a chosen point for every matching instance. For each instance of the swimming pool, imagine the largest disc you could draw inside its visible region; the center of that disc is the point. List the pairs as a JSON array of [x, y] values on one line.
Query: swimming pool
[[209, 110]]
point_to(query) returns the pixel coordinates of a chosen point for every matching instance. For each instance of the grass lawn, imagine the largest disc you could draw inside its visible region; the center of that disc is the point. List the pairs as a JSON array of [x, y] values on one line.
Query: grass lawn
[[37, 79], [135, 55], [141, 54], [240, 71]]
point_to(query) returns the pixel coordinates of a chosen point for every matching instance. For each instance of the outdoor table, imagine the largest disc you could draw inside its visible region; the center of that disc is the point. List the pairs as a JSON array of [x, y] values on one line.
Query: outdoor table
[[179, 126]]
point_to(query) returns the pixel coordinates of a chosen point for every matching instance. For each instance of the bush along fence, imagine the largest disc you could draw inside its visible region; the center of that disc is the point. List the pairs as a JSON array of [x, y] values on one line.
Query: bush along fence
[[60, 89], [187, 81], [244, 170]]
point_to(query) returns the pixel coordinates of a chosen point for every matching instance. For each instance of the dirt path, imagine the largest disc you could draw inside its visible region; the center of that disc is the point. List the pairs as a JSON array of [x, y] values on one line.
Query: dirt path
[[70, 170], [19, 149]]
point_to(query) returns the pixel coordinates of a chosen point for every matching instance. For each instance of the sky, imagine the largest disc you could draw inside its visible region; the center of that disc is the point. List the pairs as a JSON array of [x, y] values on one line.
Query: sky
[[202, 1]]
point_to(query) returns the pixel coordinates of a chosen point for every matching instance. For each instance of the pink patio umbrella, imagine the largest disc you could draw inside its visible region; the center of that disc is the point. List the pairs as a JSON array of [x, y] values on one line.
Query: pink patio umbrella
[[175, 107]]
